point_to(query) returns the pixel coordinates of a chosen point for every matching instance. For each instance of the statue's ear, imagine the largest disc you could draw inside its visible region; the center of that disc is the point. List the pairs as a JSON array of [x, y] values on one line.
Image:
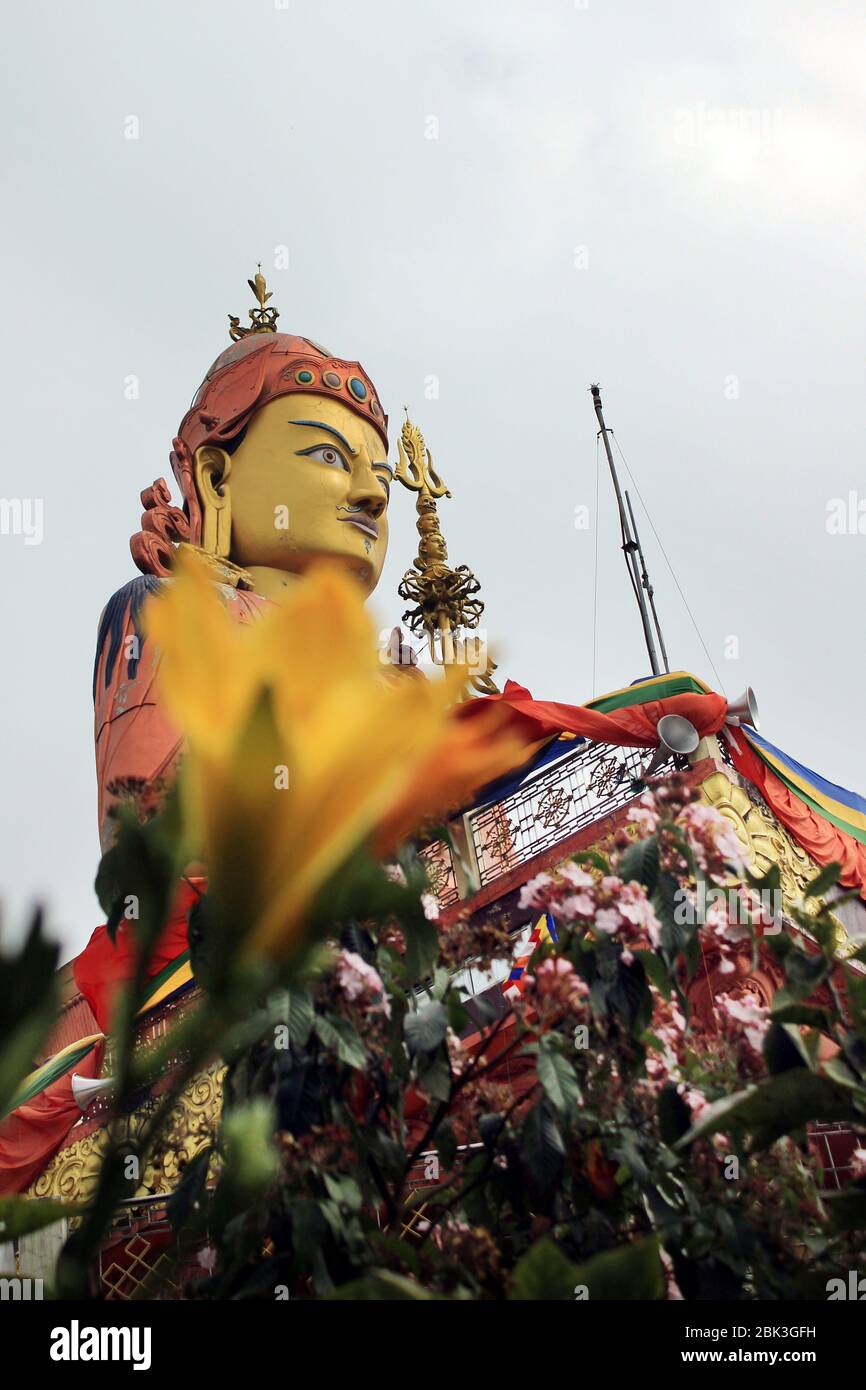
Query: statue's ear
[[212, 467]]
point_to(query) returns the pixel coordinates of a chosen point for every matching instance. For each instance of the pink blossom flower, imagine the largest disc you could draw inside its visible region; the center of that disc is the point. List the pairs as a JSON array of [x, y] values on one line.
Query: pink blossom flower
[[712, 838], [430, 904], [360, 982], [576, 876], [755, 1018], [858, 1163], [536, 891], [456, 1055], [645, 814], [726, 930], [578, 905], [695, 1100], [636, 908], [550, 975], [661, 1064], [608, 920]]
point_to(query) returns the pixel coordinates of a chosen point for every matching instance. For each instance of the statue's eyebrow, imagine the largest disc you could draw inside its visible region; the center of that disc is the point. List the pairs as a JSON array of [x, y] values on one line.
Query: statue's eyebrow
[[388, 469], [329, 429]]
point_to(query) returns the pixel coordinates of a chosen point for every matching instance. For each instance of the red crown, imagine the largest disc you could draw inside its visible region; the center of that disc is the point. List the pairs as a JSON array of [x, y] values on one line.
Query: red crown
[[262, 367]]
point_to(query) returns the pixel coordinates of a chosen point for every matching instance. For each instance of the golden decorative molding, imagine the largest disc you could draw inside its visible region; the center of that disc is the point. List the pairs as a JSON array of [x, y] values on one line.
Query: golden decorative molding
[[73, 1172], [765, 842]]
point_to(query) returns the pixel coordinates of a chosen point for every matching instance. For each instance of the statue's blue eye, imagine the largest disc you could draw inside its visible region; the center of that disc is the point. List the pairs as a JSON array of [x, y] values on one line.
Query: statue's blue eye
[[327, 454]]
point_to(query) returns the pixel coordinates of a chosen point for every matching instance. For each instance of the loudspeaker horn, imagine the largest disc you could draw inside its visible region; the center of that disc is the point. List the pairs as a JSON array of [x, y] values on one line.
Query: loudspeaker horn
[[743, 710], [676, 735], [87, 1088]]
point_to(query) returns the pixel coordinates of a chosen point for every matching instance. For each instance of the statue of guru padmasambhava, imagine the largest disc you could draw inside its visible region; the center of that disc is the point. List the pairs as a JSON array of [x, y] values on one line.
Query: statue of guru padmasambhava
[[281, 460]]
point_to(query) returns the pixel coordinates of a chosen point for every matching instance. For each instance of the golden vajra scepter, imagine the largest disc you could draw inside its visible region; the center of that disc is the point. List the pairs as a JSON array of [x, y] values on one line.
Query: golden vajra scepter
[[443, 598]]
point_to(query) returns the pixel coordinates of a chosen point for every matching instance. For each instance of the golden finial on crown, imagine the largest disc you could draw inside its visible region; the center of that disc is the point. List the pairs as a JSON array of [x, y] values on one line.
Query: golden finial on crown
[[262, 319]]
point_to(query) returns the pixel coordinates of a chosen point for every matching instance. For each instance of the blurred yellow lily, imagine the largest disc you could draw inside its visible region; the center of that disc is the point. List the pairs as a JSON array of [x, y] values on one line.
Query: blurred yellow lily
[[299, 748]]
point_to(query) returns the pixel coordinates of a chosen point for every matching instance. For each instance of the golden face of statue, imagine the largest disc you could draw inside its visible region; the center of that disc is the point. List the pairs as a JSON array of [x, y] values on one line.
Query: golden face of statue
[[310, 479]]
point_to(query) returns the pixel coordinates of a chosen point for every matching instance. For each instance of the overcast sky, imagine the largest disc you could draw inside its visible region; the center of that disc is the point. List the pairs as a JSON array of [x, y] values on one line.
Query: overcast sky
[[503, 201]]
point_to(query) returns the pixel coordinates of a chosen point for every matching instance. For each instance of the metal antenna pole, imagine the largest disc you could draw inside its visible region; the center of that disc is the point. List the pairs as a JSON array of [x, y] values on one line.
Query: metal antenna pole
[[645, 581], [629, 545]]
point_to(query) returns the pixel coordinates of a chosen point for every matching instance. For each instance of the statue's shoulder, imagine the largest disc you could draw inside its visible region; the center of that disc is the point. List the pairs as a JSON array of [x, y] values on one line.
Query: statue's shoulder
[[121, 618], [120, 635]]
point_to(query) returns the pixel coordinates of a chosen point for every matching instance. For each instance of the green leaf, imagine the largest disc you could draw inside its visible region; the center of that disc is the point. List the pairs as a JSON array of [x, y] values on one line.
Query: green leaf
[[446, 1143], [300, 1015], [846, 1209], [628, 1153], [426, 1029], [19, 1216], [592, 857], [251, 1161], [770, 882], [185, 1202], [339, 1035], [641, 861], [822, 882], [854, 1048], [486, 1008], [778, 1106], [309, 1229], [784, 1049], [667, 902], [675, 1116], [541, 1146], [383, 1285], [343, 1190], [458, 1017], [135, 880], [656, 970], [839, 1071], [434, 1074], [558, 1080], [544, 1273], [805, 973], [421, 936], [666, 896], [808, 1014], [629, 995], [489, 1128], [28, 1007], [632, 1272]]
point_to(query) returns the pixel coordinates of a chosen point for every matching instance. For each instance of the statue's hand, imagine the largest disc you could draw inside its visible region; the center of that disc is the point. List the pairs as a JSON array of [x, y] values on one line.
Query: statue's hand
[[397, 652]]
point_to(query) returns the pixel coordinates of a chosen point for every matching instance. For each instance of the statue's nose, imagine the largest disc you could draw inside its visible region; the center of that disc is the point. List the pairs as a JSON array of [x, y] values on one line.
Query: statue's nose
[[366, 491]]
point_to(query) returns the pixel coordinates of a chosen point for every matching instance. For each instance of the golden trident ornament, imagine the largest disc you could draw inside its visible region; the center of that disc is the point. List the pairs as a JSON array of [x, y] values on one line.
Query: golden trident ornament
[[443, 597]]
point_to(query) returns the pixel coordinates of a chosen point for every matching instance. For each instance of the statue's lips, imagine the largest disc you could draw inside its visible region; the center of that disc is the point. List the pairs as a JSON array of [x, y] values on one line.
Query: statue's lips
[[363, 523]]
